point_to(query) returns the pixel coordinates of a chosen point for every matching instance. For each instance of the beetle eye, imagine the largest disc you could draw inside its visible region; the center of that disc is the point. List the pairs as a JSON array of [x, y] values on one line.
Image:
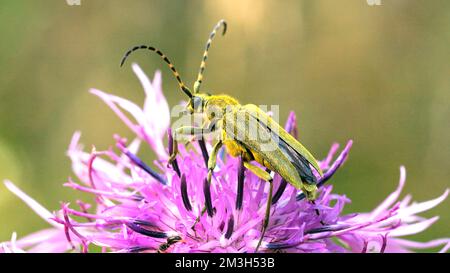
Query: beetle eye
[[196, 102]]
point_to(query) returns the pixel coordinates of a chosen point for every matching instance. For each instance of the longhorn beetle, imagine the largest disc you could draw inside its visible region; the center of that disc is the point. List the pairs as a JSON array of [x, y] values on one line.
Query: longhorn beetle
[[247, 132]]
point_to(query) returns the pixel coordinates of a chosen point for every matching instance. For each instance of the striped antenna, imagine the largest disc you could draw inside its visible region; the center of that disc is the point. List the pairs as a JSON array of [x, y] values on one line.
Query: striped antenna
[[198, 82], [183, 87]]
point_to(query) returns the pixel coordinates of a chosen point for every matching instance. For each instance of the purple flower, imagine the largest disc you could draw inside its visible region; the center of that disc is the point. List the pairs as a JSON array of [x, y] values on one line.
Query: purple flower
[[144, 207]]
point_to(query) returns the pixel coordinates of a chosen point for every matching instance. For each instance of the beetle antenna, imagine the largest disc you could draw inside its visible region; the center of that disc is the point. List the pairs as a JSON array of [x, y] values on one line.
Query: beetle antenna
[[198, 82], [183, 87]]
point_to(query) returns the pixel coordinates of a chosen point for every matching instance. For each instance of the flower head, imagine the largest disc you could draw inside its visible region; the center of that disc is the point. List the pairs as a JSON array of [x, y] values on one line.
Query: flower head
[[153, 207]]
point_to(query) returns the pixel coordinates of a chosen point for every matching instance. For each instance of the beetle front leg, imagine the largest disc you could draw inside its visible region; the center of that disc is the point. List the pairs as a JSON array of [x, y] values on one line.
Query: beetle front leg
[[211, 165], [174, 153], [185, 130], [212, 161]]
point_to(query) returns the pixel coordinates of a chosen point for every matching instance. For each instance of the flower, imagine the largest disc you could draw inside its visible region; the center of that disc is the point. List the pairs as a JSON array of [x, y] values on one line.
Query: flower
[[140, 208]]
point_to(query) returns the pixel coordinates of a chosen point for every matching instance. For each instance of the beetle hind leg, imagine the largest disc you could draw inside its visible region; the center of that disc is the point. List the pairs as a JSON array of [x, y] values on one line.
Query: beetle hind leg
[[267, 215]]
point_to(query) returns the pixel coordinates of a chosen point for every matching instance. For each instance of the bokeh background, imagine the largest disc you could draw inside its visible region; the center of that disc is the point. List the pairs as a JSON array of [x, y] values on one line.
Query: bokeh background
[[376, 74]]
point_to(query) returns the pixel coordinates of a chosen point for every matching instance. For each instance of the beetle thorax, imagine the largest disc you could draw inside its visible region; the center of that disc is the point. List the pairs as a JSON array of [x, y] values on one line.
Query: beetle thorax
[[217, 105]]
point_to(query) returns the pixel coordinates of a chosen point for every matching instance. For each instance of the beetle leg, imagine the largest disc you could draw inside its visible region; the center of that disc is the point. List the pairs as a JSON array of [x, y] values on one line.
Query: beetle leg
[[173, 156], [258, 172], [213, 159], [266, 177], [196, 132], [185, 130], [211, 165], [267, 216]]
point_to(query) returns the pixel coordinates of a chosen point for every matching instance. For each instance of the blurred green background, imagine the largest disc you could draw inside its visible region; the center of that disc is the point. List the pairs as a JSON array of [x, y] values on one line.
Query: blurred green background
[[376, 74]]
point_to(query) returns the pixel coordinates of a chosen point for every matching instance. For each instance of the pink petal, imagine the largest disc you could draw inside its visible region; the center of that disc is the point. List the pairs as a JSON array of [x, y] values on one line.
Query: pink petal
[[103, 169], [35, 206], [38, 237], [132, 108], [155, 104], [413, 228], [445, 248], [392, 197], [325, 164], [13, 244], [420, 245], [143, 128], [416, 208]]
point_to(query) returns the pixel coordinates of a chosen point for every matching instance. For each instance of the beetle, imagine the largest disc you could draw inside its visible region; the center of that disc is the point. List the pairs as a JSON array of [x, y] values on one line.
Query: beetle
[[247, 132], [170, 241]]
